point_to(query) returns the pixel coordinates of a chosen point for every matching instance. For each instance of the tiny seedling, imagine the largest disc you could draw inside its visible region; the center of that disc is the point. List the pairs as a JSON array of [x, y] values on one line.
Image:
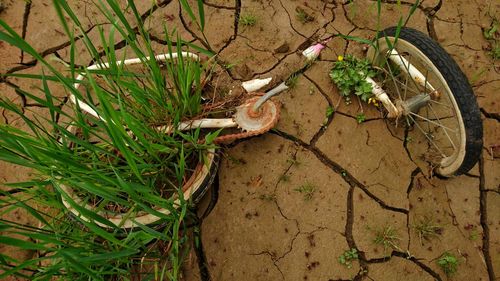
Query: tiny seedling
[[408, 139], [267, 197], [360, 118], [427, 229], [448, 263], [231, 65], [387, 237], [303, 16], [291, 82], [474, 235], [284, 178], [234, 160], [293, 161], [329, 112], [307, 189], [312, 90], [348, 257], [248, 20]]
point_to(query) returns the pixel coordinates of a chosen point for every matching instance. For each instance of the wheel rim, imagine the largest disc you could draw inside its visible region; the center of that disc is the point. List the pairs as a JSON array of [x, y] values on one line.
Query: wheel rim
[[435, 134]]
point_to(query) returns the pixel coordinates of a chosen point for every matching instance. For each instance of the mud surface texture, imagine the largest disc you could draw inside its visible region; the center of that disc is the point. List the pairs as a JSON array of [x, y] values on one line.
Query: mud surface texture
[[292, 204]]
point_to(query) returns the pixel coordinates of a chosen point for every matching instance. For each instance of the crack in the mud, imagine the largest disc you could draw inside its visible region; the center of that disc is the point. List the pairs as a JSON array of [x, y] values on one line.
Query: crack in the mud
[[272, 256], [63, 45], [237, 14], [355, 117], [405, 256], [483, 210], [348, 178], [46, 52], [350, 237], [329, 120], [27, 10], [413, 175], [485, 83], [290, 20], [490, 115], [218, 6]]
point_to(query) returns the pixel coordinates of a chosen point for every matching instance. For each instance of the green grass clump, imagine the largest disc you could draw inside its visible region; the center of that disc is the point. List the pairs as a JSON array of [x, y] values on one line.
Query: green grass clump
[[248, 20], [427, 229], [387, 237], [307, 190], [302, 16]]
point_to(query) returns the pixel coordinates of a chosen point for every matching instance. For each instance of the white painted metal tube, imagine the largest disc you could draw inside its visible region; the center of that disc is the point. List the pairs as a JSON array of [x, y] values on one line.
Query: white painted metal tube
[[255, 84], [87, 108], [201, 123], [414, 73], [274, 91], [382, 96]]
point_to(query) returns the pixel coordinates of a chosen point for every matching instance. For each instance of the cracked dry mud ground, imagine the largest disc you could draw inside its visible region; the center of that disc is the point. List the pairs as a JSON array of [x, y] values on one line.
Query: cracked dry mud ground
[[262, 228]]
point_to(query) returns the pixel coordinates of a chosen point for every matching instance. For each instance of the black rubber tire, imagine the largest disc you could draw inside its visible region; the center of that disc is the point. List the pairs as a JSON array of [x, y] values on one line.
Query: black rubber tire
[[460, 89]]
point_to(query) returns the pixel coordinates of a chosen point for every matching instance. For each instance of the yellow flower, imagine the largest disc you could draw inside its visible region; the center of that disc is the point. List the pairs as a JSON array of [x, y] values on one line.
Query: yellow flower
[[340, 58], [374, 101]]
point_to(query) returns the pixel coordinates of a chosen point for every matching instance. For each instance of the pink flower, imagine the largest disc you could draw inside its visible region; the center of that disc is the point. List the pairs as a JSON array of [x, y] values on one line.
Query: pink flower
[[312, 52]]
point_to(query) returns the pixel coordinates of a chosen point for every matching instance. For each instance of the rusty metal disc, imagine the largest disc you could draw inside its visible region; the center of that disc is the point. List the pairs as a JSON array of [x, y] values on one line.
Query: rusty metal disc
[[259, 121]]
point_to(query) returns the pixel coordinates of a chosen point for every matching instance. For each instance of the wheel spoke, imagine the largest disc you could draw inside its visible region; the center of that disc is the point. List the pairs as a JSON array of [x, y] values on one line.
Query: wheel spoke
[[393, 77], [442, 104], [428, 138], [433, 122], [407, 67], [407, 88], [445, 131]]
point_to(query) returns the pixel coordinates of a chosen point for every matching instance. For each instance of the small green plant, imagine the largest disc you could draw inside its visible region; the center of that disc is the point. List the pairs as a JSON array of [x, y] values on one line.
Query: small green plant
[[285, 178], [235, 161], [291, 82], [348, 257], [408, 139], [426, 229], [492, 34], [312, 90], [267, 197], [474, 235], [303, 16], [293, 161], [350, 73], [231, 65], [360, 118], [248, 20], [307, 189], [448, 263], [329, 112], [387, 237]]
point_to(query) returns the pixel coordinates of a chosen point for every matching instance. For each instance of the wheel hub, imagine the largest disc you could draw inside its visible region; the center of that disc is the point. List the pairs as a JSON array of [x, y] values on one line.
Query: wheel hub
[[413, 104], [250, 120]]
